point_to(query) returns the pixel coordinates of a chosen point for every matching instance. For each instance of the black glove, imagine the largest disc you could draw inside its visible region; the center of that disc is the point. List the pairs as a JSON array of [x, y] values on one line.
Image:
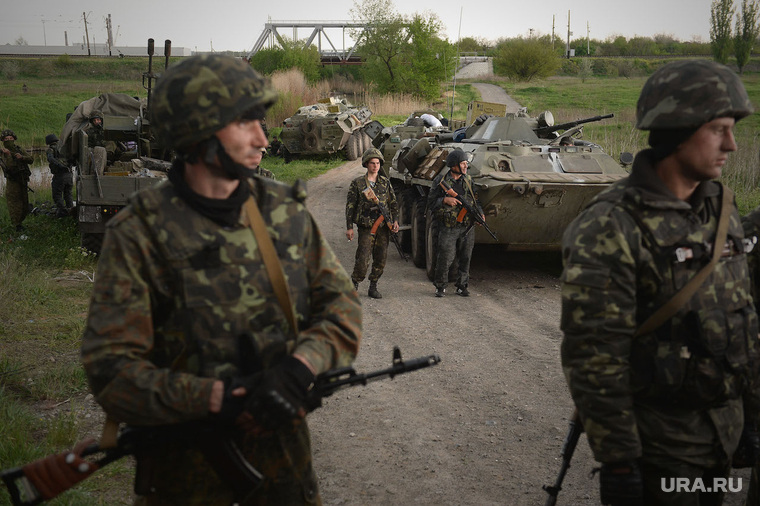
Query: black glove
[[232, 405], [748, 451], [620, 484], [282, 395]]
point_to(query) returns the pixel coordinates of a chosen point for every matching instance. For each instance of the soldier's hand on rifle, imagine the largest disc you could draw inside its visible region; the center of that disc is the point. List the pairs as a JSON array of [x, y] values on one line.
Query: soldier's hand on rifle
[[350, 234], [283, 394], [620, 484], [19, 156], [394, 228], [451, 201]]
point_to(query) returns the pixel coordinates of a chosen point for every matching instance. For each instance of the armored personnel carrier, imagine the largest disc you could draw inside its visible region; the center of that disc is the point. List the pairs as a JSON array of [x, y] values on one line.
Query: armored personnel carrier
[[327, 127], [532, 178], [105, 180]]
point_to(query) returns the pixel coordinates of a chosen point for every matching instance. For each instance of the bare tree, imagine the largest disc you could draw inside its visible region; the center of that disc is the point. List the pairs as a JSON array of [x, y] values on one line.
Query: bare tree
[[747, 30], [721, 14], [21, 41]]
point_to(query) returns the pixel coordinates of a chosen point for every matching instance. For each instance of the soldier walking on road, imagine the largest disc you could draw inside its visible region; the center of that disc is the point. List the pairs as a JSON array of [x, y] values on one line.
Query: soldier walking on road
[[456, 239], [16, 167], [217, 298], [660, 348], [364, 194], [63, 179]]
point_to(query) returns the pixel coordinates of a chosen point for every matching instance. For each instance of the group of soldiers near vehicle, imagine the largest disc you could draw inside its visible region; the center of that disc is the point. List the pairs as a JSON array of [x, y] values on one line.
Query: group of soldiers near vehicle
[[217, 297]]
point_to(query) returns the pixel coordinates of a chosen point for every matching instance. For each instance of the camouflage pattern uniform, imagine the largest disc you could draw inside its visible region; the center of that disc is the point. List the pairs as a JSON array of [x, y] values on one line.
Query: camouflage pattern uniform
[[17, 175], [453, 243], [364, 213], [63, 179], [181, 301], [675, 399]]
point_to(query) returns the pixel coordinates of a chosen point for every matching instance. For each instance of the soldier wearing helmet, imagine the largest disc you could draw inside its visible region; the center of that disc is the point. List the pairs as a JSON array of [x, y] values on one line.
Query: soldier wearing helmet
[[456, 238], [217, 298], [63, 179], [16, 168], [660, 347], [365, 194]]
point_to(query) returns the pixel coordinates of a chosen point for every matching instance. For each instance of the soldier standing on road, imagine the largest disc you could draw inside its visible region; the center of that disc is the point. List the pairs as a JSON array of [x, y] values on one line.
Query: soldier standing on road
[[63, 179], [186, 321], [362, 208], [16, 162], [674, 396], [456, 239]]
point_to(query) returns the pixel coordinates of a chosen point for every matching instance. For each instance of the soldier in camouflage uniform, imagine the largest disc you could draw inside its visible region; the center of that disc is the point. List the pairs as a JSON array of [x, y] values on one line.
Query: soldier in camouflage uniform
[[261, 171], [16, 167], [456, 239], [63, 179], [677, 401], [362, 209], [184, 324]]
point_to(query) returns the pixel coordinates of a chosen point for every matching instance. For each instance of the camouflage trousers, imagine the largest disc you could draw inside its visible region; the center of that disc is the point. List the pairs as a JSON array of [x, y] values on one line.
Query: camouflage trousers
[[453, 243], [660, 477], [374, 247], [62, 185], [17, 199]]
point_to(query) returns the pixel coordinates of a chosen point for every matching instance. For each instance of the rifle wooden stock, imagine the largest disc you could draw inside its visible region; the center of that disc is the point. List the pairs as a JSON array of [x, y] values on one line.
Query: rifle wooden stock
[[218, 449], [568, 449], [477, 214]]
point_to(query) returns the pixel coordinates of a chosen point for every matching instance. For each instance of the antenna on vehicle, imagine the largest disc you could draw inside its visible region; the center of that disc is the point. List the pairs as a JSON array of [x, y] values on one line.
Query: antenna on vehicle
[[456, 68]]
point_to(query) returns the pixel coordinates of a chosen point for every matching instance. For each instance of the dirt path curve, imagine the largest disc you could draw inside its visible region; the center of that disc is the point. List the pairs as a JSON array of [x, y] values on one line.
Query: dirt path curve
[[484, 427]]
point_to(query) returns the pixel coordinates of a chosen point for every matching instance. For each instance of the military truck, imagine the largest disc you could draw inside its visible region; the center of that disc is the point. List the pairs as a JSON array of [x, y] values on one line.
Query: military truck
[[532, 178], [327, 127], [103, 186]]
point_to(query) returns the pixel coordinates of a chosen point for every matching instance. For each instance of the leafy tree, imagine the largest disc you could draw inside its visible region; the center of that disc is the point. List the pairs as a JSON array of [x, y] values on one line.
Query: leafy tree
[[526, 59], [293, 53], [746, 32], [721, 13], [402, 55], [473, 45], [21, 41]]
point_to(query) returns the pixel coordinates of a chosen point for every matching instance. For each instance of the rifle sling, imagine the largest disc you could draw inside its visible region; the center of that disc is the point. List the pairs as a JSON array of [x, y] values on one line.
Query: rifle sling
[[271, 261], [667, 310]]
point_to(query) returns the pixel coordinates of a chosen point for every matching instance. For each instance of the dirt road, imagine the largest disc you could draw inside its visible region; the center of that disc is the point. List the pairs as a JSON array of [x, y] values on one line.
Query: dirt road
[[485, 426]]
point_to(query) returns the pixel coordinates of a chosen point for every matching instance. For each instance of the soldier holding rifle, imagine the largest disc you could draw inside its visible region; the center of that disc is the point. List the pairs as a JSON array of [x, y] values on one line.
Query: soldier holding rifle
[[365, 195], [660, 346], [217, 298]]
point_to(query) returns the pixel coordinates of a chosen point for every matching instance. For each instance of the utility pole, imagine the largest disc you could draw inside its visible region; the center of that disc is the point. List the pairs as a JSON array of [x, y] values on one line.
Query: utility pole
[[588, 40], [569, 33], [86, 33], [65, 38], [44, 34], [109, 40], [553, 16]]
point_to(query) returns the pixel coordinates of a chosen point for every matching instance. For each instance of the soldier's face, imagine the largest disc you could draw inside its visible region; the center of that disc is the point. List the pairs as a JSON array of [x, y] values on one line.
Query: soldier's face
[[702, 156], [243, 140], [373, 166], [97, 121]]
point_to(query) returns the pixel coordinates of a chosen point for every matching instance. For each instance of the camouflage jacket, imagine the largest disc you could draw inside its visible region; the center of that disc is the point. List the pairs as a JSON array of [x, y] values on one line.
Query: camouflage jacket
[[180, 301], [670, 391], [95, 135], [17, 169], [364, 212], [447, 215]]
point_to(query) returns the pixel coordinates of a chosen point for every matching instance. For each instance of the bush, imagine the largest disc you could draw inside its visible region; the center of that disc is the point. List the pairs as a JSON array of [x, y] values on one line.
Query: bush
[[524, 60], [10, 70]]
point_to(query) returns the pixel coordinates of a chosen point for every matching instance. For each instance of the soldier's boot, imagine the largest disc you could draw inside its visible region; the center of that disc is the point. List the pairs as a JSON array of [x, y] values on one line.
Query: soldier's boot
[[373, 290]]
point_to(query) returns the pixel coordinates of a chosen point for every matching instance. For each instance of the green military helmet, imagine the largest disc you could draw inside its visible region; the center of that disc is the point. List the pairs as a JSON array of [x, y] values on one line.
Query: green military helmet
[[370, 154], [202, 94], [687, 94], [96, 114], [5, 133], [51, 139], [456, 157]]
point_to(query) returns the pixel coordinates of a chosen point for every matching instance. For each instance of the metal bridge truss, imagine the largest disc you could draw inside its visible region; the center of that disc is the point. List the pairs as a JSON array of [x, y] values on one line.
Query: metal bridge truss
[[318, 29]]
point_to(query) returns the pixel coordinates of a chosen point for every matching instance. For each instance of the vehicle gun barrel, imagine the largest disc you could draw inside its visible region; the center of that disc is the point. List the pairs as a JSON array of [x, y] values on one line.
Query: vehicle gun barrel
[[570, 124]]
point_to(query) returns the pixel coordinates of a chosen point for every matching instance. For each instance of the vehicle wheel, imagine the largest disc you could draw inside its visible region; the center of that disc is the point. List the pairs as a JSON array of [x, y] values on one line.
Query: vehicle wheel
[[418, 232], [353, 147], [431, 239], [286, 155], [366, 142], [92, 242], [405, 201]]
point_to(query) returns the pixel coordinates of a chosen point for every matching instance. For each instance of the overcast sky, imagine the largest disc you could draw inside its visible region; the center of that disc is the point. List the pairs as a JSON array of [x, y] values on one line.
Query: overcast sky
[[236, 24]]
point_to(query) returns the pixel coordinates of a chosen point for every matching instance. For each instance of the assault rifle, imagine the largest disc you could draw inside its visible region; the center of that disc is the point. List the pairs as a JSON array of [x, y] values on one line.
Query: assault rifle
[[385, 216], [46, 478], [570, 124], [475, 211], [568, 449]]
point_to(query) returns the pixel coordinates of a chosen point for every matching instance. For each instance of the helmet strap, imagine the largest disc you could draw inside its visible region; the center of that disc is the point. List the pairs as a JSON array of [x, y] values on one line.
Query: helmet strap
[[216, 154]]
